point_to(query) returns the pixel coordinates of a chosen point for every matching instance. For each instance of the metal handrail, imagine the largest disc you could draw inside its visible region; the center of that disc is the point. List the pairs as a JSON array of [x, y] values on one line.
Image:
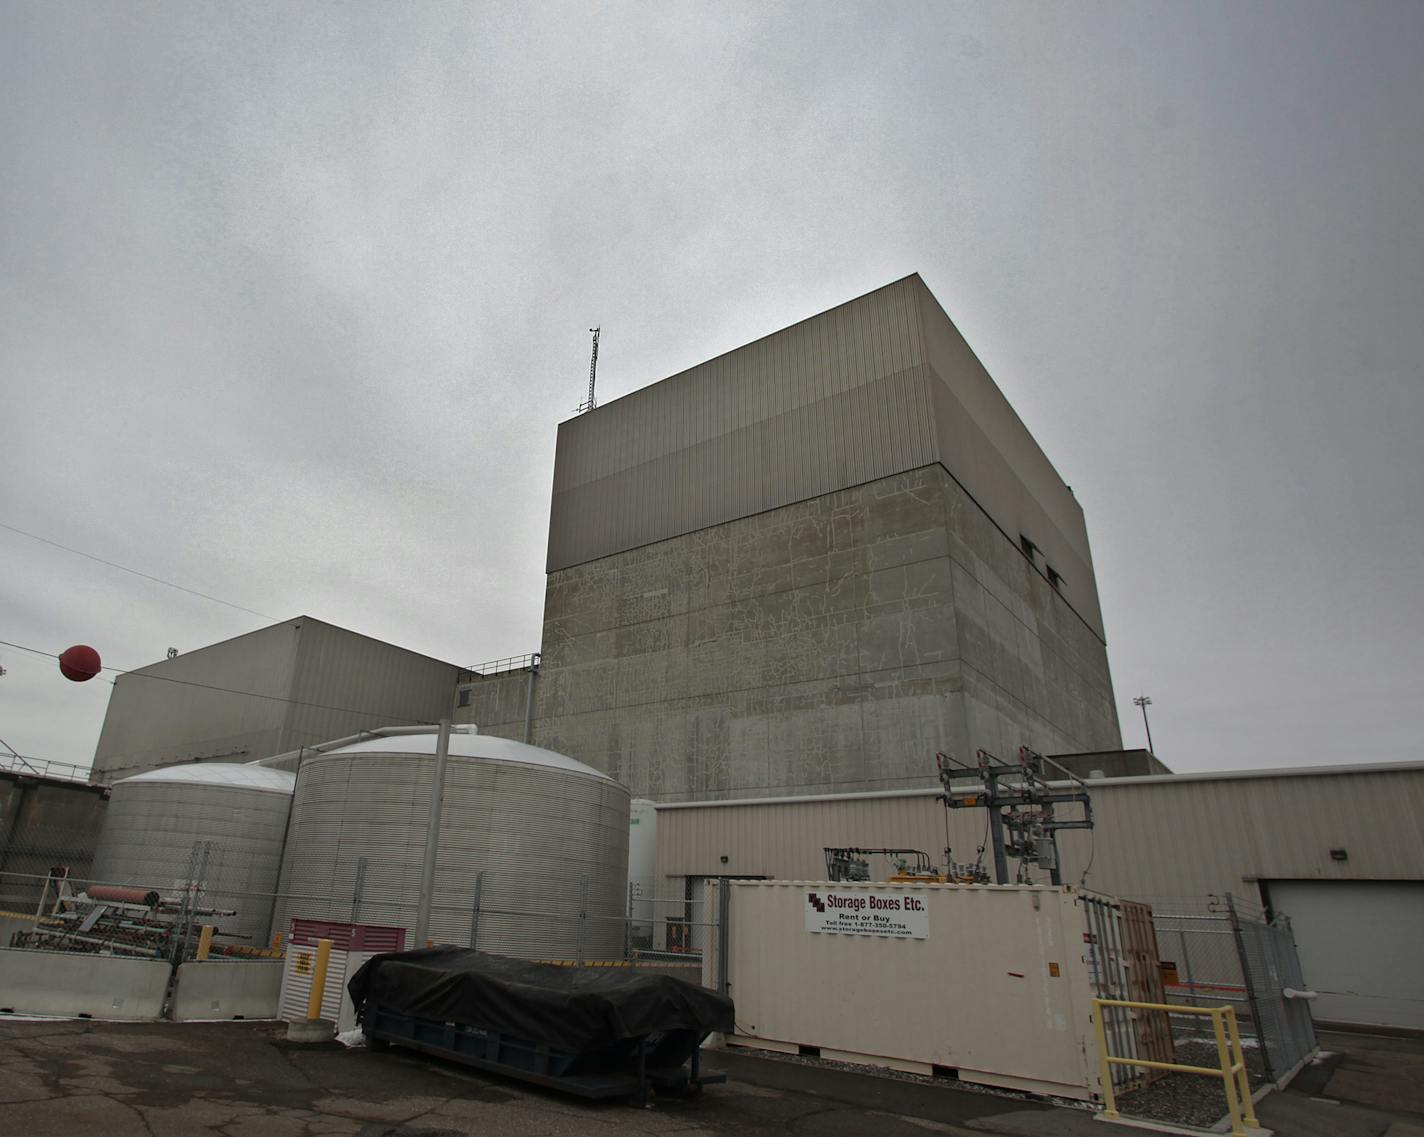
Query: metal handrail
[[1231, 1058], [528, 662], [44, 768]]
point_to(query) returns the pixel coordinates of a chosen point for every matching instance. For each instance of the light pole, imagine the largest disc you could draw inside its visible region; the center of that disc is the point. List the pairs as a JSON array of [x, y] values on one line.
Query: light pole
[[1144, 702]]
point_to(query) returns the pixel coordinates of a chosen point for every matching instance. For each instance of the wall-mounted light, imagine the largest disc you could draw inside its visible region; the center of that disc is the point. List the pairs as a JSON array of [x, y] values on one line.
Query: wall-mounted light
[[724, 858], [1339, 855]]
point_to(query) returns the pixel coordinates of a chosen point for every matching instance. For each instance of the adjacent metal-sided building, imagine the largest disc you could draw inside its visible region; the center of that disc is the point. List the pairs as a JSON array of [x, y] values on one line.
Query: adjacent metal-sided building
[[1340, 850], [295, 683]]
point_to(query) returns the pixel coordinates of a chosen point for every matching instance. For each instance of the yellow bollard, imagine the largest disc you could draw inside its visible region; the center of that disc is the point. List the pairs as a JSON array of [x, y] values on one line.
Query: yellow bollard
[[318, 984], [205, 941]]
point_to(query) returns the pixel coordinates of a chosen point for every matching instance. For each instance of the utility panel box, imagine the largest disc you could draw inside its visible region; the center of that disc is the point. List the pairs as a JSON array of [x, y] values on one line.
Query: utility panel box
[[351, 946]]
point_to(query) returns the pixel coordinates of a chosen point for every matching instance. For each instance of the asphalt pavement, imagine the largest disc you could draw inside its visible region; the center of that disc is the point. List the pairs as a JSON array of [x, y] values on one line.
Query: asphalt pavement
[[241, 1079]]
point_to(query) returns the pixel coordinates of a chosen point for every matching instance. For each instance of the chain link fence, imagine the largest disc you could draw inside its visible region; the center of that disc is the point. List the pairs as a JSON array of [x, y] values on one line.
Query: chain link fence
[[48, 905], [1223, 949]]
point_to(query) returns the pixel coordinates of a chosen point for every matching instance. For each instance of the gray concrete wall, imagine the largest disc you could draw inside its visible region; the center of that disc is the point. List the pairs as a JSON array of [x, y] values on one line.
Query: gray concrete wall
[[496, 703], [833, 644], [1113, 763], [874, 387], [44, 822]]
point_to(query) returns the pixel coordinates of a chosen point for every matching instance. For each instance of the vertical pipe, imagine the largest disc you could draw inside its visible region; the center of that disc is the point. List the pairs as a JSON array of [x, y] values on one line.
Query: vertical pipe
[[432, 834], [582, 921], [529, 701], [724, 908], [475, 915], [318, 983], [205, 941]]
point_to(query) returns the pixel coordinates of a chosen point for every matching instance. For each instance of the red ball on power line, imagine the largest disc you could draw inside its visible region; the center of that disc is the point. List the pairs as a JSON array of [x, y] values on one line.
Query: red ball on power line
[[79, 663]]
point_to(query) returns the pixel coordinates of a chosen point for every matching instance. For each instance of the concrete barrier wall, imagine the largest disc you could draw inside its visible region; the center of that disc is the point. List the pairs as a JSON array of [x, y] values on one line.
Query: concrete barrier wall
[[63, 983], [12, 922], [248, 989]]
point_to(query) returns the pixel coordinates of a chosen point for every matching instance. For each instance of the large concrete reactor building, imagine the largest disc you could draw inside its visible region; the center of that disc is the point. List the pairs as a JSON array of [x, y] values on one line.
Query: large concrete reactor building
[[807, 565]]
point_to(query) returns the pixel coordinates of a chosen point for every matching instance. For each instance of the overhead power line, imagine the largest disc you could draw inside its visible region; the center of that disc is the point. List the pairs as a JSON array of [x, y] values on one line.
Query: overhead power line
[[135, 572]]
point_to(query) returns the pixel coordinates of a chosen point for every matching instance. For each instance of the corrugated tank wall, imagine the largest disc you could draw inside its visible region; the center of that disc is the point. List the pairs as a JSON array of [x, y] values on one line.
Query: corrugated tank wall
[[550, 842], [163, 834]]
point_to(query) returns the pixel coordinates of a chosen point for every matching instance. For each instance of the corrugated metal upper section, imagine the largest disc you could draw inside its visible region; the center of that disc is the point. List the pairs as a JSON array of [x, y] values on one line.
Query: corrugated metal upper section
[[875, 387], [229, 775], [835, 400]]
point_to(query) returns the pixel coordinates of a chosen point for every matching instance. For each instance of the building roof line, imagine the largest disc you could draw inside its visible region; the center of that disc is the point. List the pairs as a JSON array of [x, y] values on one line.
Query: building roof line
[[1093, 783]]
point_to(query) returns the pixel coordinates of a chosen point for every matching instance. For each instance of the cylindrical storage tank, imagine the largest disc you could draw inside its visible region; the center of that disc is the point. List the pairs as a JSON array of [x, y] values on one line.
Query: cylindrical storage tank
[[549, 835], [218, 824], [642, 864]]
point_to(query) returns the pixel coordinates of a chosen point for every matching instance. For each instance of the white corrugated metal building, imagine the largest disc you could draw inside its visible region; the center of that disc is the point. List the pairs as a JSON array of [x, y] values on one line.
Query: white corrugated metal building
[[1338, 849]]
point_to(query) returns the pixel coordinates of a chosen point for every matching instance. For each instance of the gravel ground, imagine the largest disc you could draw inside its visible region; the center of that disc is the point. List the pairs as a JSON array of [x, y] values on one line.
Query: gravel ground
[[1188, 1099]]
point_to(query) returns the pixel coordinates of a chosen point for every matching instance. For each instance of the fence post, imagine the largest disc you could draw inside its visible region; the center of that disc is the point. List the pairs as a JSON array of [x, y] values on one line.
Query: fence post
[[1256, 1017], [582, 920], [724, 908]]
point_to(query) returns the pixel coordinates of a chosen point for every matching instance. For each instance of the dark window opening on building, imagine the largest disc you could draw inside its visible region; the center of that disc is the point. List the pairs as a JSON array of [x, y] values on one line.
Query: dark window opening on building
[[1053, 577], [1028, 547], [464, 700]]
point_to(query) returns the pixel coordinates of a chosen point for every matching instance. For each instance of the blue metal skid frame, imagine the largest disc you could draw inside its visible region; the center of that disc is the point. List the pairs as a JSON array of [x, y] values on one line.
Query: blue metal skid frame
[[624, 1071]]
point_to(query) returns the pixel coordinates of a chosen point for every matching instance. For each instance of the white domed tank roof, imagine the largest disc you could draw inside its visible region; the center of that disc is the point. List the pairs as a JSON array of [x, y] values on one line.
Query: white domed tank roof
[[216, 825], [230, 774], [533, 836], [468, 745]]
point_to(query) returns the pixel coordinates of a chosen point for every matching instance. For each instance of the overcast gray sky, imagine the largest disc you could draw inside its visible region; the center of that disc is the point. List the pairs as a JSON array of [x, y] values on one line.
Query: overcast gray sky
[[293, 296]]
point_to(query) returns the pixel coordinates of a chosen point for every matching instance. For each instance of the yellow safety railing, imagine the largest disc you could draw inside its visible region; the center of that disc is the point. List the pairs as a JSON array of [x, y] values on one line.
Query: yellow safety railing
[[1231, 1071]]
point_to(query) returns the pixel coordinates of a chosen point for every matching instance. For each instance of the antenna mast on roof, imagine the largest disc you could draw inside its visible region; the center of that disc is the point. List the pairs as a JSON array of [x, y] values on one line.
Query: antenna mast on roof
[[592, 373]]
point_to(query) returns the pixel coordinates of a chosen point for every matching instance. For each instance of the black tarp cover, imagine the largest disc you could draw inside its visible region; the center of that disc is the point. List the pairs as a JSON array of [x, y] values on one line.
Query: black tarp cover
[[574, 1009]]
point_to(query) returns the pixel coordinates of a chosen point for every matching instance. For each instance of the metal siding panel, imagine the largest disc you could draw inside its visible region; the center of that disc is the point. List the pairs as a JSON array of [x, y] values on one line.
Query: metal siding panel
[[1222, 832]]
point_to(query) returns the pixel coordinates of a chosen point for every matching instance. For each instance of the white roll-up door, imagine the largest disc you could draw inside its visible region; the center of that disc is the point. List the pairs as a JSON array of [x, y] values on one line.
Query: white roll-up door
[[1361, 946]]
